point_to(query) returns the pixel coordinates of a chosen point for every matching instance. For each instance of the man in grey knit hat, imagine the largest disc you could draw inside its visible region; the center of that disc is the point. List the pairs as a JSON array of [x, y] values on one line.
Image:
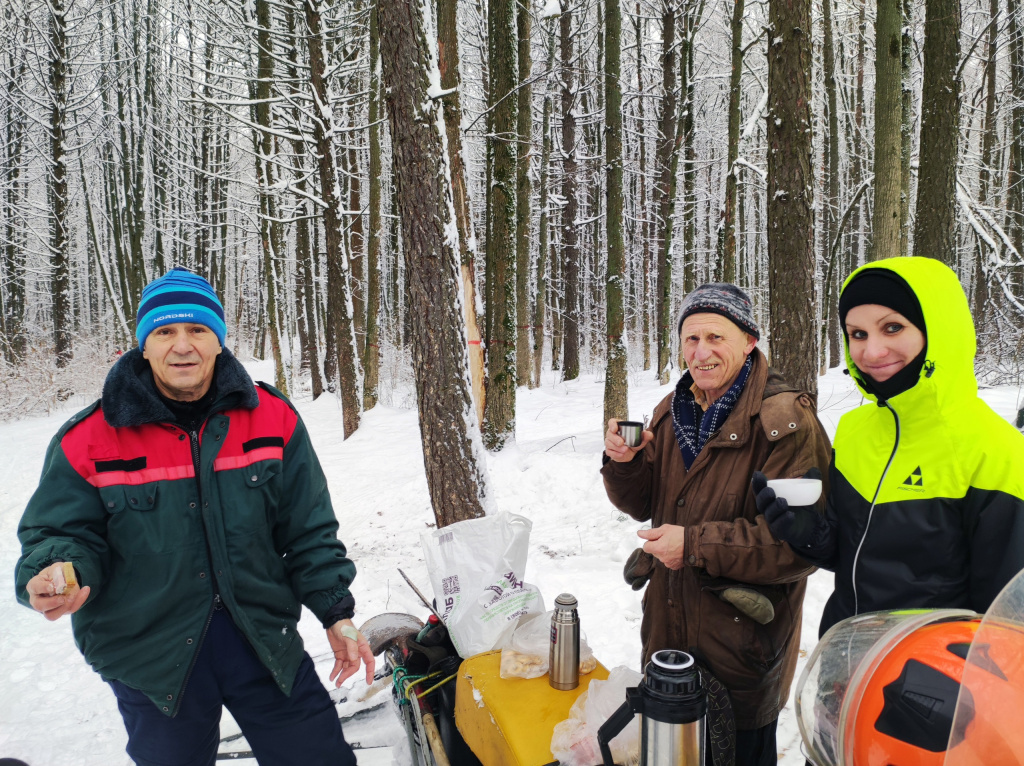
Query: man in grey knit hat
[[719, 584]]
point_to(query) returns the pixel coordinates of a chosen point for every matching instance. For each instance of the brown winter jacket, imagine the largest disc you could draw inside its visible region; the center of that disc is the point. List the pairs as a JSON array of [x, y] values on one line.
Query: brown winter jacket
[[774, 429]]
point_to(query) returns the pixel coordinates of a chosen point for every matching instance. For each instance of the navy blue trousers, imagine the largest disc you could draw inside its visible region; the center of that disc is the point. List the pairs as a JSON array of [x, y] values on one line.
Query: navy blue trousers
[[300, 730]]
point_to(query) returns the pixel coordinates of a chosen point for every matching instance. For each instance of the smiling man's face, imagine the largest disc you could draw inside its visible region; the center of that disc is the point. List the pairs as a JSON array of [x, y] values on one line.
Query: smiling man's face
[[182, 356], [715, 350]]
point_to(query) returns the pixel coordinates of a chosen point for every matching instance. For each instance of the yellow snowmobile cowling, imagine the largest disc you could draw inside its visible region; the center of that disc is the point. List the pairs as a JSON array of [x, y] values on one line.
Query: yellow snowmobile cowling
[[509, 721]]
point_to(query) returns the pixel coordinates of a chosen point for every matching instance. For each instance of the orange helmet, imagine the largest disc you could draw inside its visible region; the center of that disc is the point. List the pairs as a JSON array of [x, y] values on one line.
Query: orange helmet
[[924, 704]]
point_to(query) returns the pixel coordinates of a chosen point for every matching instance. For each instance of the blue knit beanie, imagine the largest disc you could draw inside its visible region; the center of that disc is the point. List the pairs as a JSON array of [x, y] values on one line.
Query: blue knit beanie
[[179, 296]]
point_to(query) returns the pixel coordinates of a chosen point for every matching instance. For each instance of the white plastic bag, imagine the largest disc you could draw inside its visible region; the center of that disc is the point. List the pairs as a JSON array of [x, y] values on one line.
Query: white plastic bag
[[574, 740], [528, 652], [476, 568]]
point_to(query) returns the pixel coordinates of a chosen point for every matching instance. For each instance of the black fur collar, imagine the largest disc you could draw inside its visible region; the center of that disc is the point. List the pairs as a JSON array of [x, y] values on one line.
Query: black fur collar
[[130, 397]]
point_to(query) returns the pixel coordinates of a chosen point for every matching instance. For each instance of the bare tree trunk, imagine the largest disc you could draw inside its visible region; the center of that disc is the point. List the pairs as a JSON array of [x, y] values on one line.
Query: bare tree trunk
[[448, 47], [570, 317], [888, 136], [540, 300], [616, 386], [665, 185], [790, 194], [452, 454], [304, 297], [271, 236], [371, 354], [500, 408], [727, 234], [906, 124], [831, 334], [338, 285], [524, 129], [1015, 139], [935, 222], [980, 295], [57, 184]]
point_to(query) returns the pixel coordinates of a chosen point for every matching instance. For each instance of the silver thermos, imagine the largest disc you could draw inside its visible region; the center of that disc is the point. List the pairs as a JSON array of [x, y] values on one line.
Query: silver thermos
[[672, 704], [564, 653]]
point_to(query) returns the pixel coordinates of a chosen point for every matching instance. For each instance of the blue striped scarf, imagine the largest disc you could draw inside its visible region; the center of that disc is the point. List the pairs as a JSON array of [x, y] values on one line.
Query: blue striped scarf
[[687, 414]]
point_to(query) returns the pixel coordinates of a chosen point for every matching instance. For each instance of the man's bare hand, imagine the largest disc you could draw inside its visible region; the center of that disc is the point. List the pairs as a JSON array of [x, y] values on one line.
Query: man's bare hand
[[347, 653], [43, 597], [665, 543], [615, 447]]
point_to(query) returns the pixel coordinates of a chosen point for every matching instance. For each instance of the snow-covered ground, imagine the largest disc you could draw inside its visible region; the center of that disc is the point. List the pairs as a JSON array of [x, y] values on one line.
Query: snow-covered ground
[[55, 710]]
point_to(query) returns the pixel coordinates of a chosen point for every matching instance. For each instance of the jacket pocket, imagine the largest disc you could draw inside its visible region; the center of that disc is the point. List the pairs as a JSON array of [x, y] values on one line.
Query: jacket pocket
[[251, 496]]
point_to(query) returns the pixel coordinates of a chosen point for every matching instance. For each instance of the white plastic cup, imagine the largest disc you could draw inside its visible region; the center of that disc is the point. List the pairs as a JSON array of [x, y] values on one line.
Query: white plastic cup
[[797, 491]]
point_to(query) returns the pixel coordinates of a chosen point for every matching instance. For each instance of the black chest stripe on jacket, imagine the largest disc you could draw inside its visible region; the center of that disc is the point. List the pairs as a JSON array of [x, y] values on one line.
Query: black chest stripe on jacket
[[262, 441], [108, 466]]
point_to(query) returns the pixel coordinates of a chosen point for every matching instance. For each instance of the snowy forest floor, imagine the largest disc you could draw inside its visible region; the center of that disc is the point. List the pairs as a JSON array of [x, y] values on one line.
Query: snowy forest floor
[[55, 710]]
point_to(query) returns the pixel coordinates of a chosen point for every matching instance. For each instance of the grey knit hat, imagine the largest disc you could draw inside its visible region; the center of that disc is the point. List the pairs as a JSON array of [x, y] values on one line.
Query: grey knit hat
[[723, 299]]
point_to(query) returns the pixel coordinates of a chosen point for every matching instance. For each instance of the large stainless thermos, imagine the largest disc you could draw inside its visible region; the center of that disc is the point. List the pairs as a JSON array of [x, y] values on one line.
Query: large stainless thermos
[[672, 703], [564, 653]]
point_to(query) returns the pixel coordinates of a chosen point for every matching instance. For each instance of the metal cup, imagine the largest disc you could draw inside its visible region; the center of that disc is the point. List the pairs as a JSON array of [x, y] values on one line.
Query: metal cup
[[631, 432]]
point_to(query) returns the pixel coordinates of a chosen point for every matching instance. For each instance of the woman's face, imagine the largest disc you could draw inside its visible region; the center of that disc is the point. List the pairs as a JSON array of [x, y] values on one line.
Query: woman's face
[[882, 341]]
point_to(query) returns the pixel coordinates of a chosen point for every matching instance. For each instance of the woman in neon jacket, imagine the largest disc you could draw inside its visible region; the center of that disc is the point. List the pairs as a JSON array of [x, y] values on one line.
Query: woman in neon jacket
[[926, 499]]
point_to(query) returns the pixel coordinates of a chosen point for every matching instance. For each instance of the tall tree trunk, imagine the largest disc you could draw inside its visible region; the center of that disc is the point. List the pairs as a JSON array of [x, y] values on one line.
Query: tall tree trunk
[[616, 387], [727, 251], [338, 278], [935, 224], [906, 123], [790, 194], [57, 184], [524, 129], [371, 353], [452, 453], [646, 255], [831, 334], [448, 47], [304, 289], [500, 408], [540, 299], [979, 297], [687, 139], [570, 316], [1015, 139], [12, 265], [271, 234], [665, 185], [888, 137]]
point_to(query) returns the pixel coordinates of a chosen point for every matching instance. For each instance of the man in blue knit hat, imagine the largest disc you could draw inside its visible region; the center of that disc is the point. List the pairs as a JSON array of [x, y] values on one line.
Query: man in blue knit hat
[[184, 521]]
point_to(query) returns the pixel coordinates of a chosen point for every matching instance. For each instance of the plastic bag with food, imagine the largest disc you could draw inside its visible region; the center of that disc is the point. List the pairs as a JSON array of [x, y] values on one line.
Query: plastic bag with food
[[476, 568], [527, 653], [574, 740]]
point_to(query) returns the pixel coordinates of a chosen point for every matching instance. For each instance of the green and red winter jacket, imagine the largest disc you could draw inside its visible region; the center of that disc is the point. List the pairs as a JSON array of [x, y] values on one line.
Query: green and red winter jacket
[[157, 520], [926, 500]]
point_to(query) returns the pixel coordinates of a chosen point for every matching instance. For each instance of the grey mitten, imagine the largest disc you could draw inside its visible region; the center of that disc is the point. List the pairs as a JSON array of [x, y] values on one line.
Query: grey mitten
[[752, 603], [638, 568]]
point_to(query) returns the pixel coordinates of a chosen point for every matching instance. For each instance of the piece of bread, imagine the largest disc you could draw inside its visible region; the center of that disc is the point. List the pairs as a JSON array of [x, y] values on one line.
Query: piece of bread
[[64, 581]]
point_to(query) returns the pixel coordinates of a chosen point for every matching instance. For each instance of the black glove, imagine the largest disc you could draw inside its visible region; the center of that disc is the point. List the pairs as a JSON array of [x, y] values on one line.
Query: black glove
[[801, 526], [638, 569]]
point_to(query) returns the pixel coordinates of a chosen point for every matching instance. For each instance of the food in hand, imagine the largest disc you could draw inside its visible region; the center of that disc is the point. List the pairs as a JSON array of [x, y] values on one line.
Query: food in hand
[[65, 583]]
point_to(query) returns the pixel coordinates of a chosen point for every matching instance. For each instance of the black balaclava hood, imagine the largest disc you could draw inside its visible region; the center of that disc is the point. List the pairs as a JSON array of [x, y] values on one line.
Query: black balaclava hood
[[886, 288]]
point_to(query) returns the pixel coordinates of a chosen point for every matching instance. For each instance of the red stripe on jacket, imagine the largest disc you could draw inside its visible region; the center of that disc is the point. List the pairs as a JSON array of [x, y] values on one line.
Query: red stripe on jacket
[[166, 447]]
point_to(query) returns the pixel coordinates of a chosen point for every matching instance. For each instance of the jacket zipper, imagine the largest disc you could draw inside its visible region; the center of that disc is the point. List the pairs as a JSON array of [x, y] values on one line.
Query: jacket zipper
[[871, 511], [193, 438]]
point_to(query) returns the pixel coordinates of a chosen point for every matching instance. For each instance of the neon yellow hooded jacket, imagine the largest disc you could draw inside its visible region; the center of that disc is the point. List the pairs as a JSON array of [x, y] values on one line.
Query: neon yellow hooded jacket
[[926, 501]]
